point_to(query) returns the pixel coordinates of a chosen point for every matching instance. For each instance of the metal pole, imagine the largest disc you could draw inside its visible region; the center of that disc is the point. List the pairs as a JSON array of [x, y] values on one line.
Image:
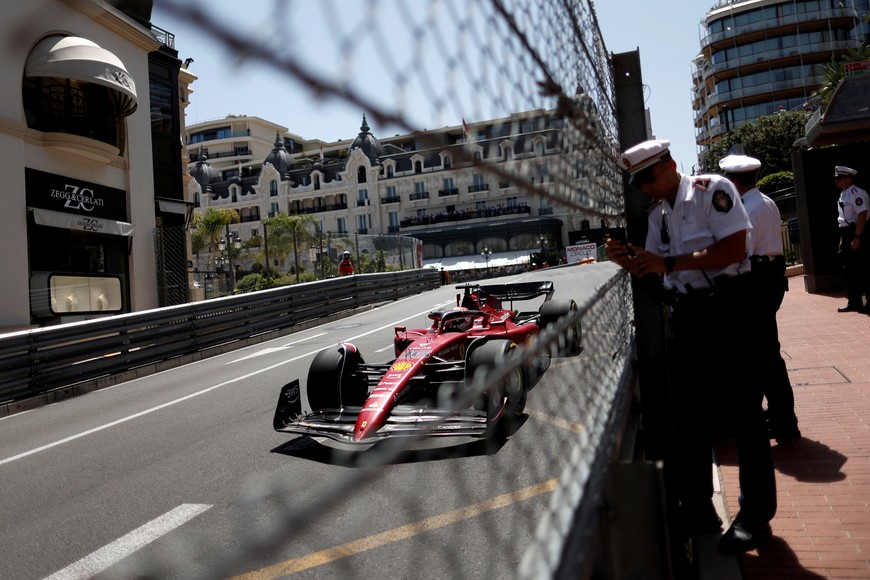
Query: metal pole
[[266, 244], [232, 273], [320, 252]]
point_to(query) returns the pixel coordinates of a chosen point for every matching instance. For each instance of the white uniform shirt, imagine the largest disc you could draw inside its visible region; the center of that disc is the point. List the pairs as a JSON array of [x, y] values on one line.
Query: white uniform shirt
[[765, 237], [853, 200], [706, 210]]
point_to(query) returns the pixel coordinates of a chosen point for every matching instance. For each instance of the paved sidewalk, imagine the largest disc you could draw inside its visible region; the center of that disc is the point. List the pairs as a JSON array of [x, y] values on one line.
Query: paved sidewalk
[[822, 526]]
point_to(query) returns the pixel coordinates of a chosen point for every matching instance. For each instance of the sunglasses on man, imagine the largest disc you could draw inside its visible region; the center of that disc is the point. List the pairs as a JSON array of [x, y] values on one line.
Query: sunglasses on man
[[645, 176]]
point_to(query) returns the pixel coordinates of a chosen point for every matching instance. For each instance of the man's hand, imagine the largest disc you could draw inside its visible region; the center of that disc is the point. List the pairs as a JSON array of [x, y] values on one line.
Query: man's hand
[[634, 259]]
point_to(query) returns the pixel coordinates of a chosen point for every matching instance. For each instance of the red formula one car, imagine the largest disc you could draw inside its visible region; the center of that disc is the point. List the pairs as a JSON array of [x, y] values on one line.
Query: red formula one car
[[420, 391]]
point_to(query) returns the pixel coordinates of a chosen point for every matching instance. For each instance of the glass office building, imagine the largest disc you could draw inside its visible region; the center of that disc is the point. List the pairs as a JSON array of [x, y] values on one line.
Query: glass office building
[[758, 57]]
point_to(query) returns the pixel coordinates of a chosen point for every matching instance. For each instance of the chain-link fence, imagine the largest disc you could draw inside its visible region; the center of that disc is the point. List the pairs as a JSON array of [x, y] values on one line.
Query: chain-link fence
[[477, 59]]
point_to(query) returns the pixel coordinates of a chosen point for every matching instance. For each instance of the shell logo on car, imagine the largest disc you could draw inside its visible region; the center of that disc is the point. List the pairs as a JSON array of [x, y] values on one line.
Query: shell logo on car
[[401, 366]]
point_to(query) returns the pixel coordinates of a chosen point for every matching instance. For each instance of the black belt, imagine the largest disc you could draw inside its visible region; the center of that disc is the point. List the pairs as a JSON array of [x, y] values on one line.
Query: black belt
[[757, 260]]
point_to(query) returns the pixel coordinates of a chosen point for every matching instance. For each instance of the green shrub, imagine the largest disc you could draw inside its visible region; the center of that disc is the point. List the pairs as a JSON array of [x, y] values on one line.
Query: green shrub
[[783, 180]]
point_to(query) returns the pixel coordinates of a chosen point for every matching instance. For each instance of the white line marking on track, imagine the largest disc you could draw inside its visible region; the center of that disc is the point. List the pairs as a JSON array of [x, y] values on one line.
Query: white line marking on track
[[271, 349], [113, 553], [190, 396]]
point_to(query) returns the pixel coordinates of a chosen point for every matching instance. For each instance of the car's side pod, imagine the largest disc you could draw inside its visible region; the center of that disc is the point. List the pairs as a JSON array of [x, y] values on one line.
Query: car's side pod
[[289, 405]]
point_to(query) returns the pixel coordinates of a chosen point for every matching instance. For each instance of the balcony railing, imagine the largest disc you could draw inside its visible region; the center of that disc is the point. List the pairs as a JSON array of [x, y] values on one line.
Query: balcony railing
[[321, 209], [419, 195], [478, 187], [395, 199], [446, 192], [767, 24], [464, 215], [165, 38], [193, 157]]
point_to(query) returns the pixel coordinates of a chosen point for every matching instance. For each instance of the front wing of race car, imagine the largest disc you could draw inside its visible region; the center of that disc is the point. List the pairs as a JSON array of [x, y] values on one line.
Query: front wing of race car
[[404, 421]]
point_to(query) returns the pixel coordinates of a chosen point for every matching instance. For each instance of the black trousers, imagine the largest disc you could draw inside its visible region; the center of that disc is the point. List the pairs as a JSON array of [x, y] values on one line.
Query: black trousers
[[770, 288], [714, 388], [856, 265]]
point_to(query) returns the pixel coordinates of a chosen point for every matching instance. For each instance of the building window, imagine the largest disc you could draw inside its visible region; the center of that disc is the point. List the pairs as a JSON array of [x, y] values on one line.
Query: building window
[[64, 106], [418, 167], [478, 156], [447, 162], [273, 188], [508, 153], [361, 175], [316, 182], [342, 225], [394, 220], [390, 171]]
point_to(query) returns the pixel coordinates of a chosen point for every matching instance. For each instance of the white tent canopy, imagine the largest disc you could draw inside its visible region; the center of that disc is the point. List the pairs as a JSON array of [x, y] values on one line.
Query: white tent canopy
[[476, 261]]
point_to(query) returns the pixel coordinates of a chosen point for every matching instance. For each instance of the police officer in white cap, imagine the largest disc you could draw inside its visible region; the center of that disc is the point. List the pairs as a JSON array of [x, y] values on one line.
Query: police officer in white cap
[[853, 252], [768, 272], [696, 241]]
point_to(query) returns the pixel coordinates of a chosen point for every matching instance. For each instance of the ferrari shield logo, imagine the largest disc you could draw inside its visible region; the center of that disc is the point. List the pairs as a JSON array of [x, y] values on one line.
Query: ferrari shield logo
[[722, 202]]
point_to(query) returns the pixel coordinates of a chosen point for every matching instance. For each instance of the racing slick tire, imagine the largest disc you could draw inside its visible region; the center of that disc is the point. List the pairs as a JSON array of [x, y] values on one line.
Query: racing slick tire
[[332, 379], [553, 310], [515, 387]]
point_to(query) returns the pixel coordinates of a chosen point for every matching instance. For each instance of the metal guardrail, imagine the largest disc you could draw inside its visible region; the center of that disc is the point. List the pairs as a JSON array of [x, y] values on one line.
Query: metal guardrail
[[47, 360]]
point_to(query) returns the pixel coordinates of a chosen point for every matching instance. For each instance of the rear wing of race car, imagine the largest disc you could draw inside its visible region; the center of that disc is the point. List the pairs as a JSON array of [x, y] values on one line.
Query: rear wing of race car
[[519, 291]]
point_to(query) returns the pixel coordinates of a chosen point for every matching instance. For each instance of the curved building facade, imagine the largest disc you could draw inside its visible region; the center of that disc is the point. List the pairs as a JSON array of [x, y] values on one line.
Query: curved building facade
[[761, 56]]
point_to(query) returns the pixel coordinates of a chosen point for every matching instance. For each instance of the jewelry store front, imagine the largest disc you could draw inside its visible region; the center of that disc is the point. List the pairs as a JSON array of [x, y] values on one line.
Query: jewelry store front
[[78, 243]]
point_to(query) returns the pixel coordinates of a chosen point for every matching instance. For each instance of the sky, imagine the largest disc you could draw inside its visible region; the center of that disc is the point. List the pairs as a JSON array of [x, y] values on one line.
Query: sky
[[666, 33]]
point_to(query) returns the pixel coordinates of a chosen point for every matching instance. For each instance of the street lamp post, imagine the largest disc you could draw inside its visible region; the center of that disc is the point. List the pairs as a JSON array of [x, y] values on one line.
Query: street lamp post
[[485, 254], [543, 240], [227, 245]]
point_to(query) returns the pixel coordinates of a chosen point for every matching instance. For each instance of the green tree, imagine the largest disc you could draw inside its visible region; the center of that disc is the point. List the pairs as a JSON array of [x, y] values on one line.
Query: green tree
[[770, 139], [835, 70], [287, 233], [213, 223]]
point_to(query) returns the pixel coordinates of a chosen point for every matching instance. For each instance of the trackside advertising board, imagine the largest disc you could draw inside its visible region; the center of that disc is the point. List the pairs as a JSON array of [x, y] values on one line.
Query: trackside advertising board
[[579, 252]]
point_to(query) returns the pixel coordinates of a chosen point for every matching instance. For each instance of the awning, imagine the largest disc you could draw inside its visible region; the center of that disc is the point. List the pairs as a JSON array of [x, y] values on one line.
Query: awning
[[72, 57], [71, 221]]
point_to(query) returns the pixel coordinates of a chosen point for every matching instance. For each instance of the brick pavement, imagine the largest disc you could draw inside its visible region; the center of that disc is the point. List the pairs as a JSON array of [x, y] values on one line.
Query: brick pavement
[[822, 526]]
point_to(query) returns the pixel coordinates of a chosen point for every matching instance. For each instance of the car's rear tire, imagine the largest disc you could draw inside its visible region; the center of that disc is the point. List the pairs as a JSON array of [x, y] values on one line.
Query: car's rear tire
[[491, 354], [553, 310], [333, 381]]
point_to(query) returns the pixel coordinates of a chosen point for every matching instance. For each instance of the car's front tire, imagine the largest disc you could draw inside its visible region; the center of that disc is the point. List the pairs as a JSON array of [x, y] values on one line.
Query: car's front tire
[[551, 312], [333, 381], [491, 355]]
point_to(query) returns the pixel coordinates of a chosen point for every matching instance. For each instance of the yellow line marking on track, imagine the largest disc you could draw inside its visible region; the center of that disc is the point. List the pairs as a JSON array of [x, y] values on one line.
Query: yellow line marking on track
[[573, 427], [395, 535]]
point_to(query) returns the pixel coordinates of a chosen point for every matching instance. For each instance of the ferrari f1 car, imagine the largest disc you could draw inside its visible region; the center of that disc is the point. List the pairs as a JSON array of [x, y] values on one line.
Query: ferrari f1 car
[[420, 391]]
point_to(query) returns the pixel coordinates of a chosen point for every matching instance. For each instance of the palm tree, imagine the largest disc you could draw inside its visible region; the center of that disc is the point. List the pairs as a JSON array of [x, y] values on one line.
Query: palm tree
[[288, 232], [835, 71]]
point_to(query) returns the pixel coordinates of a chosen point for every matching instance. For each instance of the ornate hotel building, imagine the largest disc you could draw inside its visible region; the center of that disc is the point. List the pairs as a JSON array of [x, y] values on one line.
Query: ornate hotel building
[[761, 56], [460, 194]]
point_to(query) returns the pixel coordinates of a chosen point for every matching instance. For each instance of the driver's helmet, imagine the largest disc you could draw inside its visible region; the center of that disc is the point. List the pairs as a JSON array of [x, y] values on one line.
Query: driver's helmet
[[346, 254], [457, 324]]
